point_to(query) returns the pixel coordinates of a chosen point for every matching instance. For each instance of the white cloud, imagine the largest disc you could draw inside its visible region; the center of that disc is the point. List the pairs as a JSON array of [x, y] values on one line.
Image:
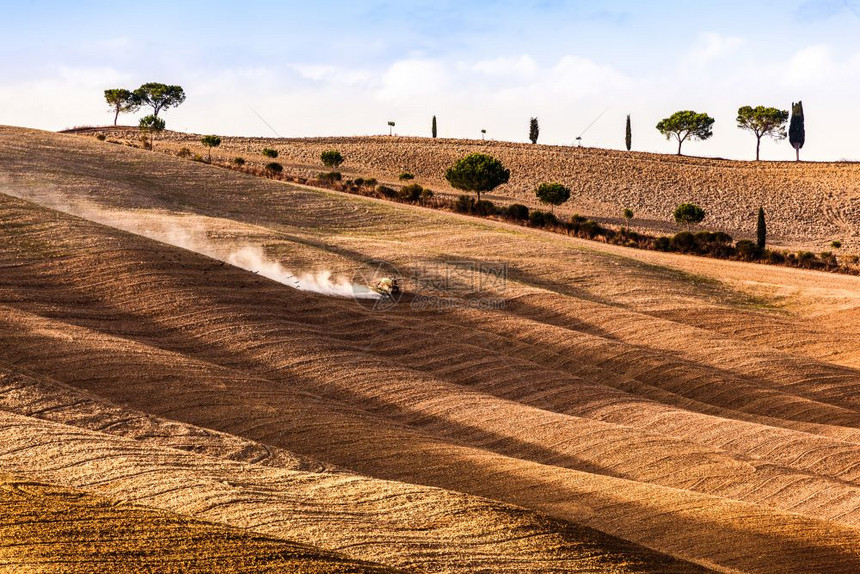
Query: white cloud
[[416, 77], [333, 74], [712, 46], [809, 65], [500, 80], [46, 103], [522, 66], [581, 77]]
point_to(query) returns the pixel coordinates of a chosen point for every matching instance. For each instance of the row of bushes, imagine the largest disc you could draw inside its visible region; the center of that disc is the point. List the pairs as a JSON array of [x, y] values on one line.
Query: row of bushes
[[520, 213], [411, 193], [713, 244], [706, 243], [720, 245]]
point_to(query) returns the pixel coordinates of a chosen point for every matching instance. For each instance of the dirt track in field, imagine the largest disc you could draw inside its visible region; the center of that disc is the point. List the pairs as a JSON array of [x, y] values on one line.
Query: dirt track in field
[[808, 205], [588, 408]]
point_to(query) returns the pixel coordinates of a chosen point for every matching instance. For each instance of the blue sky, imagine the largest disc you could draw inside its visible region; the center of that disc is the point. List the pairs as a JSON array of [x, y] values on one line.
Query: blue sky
[[344, 68]]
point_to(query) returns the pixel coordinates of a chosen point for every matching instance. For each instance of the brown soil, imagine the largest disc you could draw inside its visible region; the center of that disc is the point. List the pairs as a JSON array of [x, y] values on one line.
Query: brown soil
[[808, 205], [46, 529], [620, 411]]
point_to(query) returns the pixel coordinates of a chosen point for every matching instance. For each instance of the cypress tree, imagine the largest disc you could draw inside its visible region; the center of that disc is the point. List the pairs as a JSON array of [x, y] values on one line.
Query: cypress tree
[[796, 131], [534, 130], [433, 128], [628, 136], [761, 229]]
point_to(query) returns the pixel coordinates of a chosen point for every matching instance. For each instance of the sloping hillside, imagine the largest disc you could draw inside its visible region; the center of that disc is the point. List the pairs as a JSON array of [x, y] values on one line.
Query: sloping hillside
[[533, 402], [51, 529], [807, 204]]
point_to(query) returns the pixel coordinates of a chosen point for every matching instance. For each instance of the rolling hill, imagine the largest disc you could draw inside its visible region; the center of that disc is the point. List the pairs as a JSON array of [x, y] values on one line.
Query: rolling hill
[[532, 403], [808, 204]]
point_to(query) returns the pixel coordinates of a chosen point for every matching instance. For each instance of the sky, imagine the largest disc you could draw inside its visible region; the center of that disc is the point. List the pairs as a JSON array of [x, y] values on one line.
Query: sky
[[330, 67]]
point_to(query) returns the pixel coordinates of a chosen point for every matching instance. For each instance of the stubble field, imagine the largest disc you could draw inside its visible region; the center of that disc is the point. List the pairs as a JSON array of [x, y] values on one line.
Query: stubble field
[[533, 402], [808, 204]]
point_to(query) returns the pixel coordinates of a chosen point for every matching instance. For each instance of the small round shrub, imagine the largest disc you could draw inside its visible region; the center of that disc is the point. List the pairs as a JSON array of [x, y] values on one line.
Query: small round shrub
[[331, 158], [702, 237], [426, 195], [715, 243], [517, 212], [211, 141], [184, 152], [748, 250], [410, 192], [552, 193], [370, 182], [485, 207], [538, 218], [268, 152], [386, 191], [627, 213], [688, 214], [683, 241], [101, 137], [835, 244], [588, 229], [629, 235], [775, 257], [406, 176], [330, 176], [464, 204], [721, 250], [359, 181], [477, 172], [240, 161], [807, 259], [706, 239], [663, 243], [467, 204], [274, 167]]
